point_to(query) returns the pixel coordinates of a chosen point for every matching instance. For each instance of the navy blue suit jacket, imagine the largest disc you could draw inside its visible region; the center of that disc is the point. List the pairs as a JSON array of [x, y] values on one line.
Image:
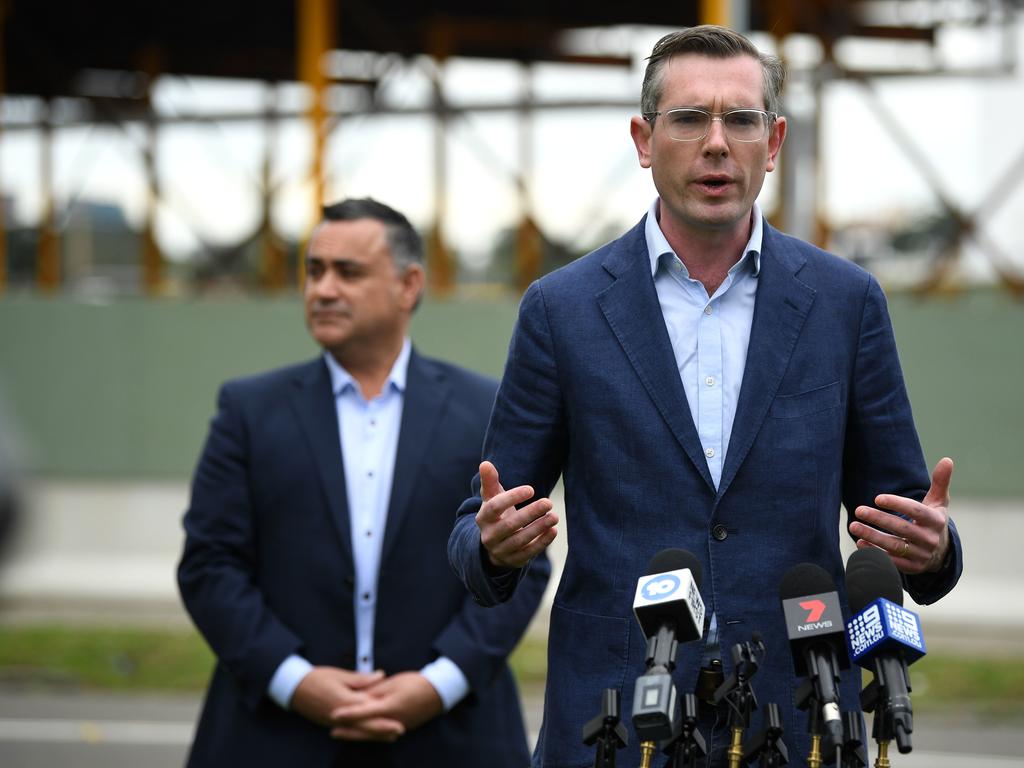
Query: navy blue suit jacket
[[267, 571], [591, 392]]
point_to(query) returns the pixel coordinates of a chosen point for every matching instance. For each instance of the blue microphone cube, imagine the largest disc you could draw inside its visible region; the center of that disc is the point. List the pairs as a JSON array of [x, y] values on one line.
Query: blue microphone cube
[[884, 625]]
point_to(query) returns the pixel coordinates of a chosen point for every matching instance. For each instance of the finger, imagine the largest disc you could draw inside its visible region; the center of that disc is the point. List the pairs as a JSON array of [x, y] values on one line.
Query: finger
[[889, 523], [902, 552], [514, 525], [489, 485], [519, 549], [359, 680], [376, 729], [892, 509], [352, 712], [882, 529], [497, 507], [938, 493]]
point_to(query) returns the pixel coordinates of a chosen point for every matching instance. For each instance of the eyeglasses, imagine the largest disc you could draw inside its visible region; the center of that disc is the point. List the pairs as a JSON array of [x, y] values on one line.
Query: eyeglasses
[[694, 124]]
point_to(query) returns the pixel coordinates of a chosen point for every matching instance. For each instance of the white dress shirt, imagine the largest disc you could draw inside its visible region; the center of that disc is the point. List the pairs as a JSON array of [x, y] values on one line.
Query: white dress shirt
[[709, 336], [369, 431]]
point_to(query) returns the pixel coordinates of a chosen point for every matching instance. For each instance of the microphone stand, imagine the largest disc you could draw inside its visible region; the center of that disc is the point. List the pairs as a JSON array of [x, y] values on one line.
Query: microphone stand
[[805, 699], [606, 730], [767, 747], [854, 753], [882, 725], [688, 747], [737, 691]]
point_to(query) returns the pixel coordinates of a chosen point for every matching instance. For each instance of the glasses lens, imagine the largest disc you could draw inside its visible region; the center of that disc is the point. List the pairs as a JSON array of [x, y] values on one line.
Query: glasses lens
[[745, 124], [686, 124]]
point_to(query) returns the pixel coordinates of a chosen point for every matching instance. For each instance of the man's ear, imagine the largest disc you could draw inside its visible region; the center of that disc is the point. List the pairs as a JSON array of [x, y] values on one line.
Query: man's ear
[[413, 281], [775, 141], [640, 129]]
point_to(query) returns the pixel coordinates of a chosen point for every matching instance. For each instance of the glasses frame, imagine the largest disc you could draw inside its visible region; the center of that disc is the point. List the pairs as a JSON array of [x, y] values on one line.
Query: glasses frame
[[769, 118]]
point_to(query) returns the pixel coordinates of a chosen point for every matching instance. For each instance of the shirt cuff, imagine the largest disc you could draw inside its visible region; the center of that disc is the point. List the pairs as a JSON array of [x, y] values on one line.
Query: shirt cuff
[[287, 678], [449, 682]]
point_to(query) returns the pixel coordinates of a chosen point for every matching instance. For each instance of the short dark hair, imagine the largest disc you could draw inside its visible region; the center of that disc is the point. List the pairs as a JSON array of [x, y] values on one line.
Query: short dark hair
[[403, 241], [716, 42]]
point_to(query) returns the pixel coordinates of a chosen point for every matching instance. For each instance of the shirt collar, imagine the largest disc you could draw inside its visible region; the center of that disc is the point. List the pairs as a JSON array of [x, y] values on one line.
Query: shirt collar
[[657, 245], [342, 379]]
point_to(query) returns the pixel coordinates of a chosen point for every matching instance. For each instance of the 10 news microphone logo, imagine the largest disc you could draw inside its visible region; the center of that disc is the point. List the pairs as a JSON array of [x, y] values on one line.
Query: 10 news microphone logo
[[660, 587]]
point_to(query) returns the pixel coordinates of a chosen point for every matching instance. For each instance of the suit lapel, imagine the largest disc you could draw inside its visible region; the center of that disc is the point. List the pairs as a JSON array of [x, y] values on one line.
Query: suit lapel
[[781, 308], [426, 393], [314, 407], [630, 305]]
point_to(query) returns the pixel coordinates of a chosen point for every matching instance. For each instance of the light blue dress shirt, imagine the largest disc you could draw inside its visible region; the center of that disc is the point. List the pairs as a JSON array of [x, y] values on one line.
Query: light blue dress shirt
[[709, 336], [369, 432]]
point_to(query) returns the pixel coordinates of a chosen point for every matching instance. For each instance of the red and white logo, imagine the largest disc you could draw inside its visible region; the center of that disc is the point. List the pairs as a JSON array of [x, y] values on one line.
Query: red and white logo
[[814, 610]]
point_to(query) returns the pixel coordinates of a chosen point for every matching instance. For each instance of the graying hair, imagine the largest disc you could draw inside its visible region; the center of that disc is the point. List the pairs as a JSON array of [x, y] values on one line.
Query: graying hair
[[403, 241]]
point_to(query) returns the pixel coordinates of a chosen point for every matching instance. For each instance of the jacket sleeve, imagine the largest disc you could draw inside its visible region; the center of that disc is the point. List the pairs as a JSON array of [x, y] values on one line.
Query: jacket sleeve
[[526, 442], [882, 451], [217, 572]]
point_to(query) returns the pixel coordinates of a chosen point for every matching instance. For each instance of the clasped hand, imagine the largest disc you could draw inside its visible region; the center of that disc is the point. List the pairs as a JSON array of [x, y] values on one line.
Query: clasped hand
[[360, 706]]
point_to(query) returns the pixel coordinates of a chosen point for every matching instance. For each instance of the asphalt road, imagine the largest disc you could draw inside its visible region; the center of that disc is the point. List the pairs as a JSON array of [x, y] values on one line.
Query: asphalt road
[[89, 730]]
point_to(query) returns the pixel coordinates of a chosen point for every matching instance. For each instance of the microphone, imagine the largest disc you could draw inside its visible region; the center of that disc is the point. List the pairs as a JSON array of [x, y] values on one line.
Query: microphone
[[883, 637], [814, 624], [669, 609]]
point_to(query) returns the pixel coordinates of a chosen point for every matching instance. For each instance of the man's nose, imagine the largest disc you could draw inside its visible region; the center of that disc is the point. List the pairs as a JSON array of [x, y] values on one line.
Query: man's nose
[[716, 142], [328, 286]]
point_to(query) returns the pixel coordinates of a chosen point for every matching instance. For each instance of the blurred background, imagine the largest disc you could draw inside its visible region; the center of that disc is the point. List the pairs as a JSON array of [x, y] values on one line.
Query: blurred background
[[162, 164]]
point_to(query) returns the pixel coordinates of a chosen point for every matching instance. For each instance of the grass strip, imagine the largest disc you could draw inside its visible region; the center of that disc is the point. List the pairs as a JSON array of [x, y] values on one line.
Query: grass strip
[[167, 660]]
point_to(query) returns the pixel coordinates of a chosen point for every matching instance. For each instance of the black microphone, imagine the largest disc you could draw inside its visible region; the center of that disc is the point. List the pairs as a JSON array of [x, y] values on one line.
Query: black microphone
[[885, 638], [814, 624], [670, 610]]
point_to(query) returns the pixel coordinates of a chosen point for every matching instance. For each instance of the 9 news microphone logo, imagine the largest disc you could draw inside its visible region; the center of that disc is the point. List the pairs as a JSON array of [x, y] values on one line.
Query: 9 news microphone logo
[[660, 587]]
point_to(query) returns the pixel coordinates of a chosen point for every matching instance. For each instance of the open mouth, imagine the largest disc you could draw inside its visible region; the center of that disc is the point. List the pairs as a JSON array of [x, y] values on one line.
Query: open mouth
[[714, 182]]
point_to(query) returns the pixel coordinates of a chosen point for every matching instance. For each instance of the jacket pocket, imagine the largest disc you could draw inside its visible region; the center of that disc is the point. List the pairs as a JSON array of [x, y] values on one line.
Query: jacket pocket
[[805, 403]]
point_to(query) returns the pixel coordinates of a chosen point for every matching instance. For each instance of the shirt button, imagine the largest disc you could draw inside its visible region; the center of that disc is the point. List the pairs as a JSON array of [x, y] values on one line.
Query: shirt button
[[719, 532], [710, 381], [707, 310], [366, 659], [366, 596], [369, 533], [710, 453]]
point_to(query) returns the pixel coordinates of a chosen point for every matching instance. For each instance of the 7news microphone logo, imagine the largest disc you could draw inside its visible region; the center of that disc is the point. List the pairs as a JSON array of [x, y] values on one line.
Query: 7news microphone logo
[[810, 615]]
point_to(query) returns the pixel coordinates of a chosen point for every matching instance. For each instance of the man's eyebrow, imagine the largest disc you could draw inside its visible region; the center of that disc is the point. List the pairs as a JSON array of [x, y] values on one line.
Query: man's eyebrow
[[333, 260]]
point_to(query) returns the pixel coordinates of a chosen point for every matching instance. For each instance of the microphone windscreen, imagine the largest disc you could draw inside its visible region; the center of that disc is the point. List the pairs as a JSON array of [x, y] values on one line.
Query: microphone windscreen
[[675, 560], [871, 574], [805, 579]]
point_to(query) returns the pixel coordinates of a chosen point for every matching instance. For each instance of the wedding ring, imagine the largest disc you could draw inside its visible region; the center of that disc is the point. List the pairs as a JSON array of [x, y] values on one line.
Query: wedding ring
[[904, 549]]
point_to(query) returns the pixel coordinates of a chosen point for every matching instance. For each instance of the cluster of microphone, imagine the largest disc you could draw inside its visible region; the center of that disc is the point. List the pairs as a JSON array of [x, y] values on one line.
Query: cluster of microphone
[[881, 636]]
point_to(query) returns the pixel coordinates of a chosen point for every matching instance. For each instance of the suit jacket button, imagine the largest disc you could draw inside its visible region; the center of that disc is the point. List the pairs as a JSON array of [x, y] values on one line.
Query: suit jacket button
[[719, 532]]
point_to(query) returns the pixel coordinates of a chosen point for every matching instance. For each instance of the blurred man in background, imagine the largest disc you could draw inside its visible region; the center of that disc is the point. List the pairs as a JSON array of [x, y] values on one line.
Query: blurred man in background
[[703, 382], [314, 561]]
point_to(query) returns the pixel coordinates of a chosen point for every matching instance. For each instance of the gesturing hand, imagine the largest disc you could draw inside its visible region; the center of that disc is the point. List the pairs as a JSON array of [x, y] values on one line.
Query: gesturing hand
[[914, 533], [511, 536]]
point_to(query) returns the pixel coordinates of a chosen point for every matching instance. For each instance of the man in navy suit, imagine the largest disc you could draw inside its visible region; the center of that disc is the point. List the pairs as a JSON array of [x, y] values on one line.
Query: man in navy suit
[[703, 382], [314, 562]]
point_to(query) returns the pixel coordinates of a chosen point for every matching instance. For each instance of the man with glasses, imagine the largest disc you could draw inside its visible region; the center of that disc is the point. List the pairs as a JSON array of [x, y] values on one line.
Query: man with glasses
[[703, 382]]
